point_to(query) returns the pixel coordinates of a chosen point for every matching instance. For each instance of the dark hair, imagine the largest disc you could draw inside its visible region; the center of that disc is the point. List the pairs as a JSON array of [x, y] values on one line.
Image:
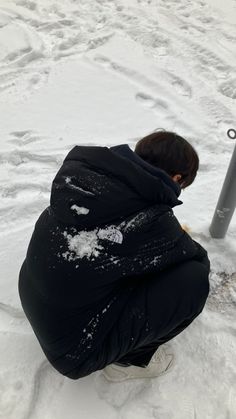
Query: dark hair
[[171, 153]]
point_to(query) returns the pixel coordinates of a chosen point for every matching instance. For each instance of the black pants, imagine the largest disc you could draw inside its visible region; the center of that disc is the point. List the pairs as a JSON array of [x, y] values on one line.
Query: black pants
[[159, 308]]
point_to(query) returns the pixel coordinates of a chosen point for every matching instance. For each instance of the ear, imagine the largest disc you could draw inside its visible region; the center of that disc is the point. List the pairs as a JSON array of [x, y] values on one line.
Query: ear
[[176, 178]]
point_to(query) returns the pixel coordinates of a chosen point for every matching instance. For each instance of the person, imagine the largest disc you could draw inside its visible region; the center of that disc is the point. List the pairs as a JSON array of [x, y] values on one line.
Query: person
[[110, 275]]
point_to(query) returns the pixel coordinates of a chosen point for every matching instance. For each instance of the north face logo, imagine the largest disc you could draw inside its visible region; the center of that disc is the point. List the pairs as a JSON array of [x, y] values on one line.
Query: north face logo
[[112, 234]]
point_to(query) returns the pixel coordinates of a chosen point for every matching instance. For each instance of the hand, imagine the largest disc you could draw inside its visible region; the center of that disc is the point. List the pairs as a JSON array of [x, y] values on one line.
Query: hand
[[186, 228]]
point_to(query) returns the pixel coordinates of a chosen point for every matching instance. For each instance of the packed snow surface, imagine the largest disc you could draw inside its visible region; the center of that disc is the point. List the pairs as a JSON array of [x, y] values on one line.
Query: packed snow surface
[[104, 73]]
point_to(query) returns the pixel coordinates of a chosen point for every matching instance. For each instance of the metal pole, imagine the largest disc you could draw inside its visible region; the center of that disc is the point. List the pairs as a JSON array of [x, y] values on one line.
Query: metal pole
[[227, 200]]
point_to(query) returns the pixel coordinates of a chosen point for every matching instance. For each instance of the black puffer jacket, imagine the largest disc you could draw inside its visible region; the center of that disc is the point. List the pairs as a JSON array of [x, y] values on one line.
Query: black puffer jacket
[[110, 221]]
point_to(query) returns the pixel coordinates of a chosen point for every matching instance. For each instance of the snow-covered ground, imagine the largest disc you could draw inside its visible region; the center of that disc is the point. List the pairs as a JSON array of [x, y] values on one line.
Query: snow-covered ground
[[106, 72]]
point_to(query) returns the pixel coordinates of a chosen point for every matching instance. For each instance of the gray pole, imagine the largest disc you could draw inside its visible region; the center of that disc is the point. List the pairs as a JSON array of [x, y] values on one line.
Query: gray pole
[[227, 200]]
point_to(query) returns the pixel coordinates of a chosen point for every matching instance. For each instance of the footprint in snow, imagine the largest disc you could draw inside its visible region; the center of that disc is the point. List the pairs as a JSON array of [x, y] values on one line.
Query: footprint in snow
[[145, 100], [158, 105], [20, 134], [228, 88], [105, 62], [21, 138]]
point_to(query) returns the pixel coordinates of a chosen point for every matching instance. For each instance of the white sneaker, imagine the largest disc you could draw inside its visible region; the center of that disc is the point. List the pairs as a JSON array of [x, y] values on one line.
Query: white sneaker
[[161, 363]]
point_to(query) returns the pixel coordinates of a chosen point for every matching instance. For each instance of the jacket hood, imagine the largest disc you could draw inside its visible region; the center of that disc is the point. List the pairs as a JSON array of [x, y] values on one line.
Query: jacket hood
[[125, 151], [100, 185]]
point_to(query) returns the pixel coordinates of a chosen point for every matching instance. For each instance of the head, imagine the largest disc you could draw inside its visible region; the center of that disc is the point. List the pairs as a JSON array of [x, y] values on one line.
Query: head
[[171, 153]]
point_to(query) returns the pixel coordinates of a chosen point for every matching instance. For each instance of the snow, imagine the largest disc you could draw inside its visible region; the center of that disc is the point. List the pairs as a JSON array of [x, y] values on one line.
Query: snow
[[105, 73], [83, 244], [86, 243], [73, 186], [79, 210]]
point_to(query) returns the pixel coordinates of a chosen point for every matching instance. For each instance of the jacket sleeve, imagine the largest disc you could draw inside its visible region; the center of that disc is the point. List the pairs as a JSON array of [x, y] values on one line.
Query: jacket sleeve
[[202, 256], [195, 250], [200, 253]]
